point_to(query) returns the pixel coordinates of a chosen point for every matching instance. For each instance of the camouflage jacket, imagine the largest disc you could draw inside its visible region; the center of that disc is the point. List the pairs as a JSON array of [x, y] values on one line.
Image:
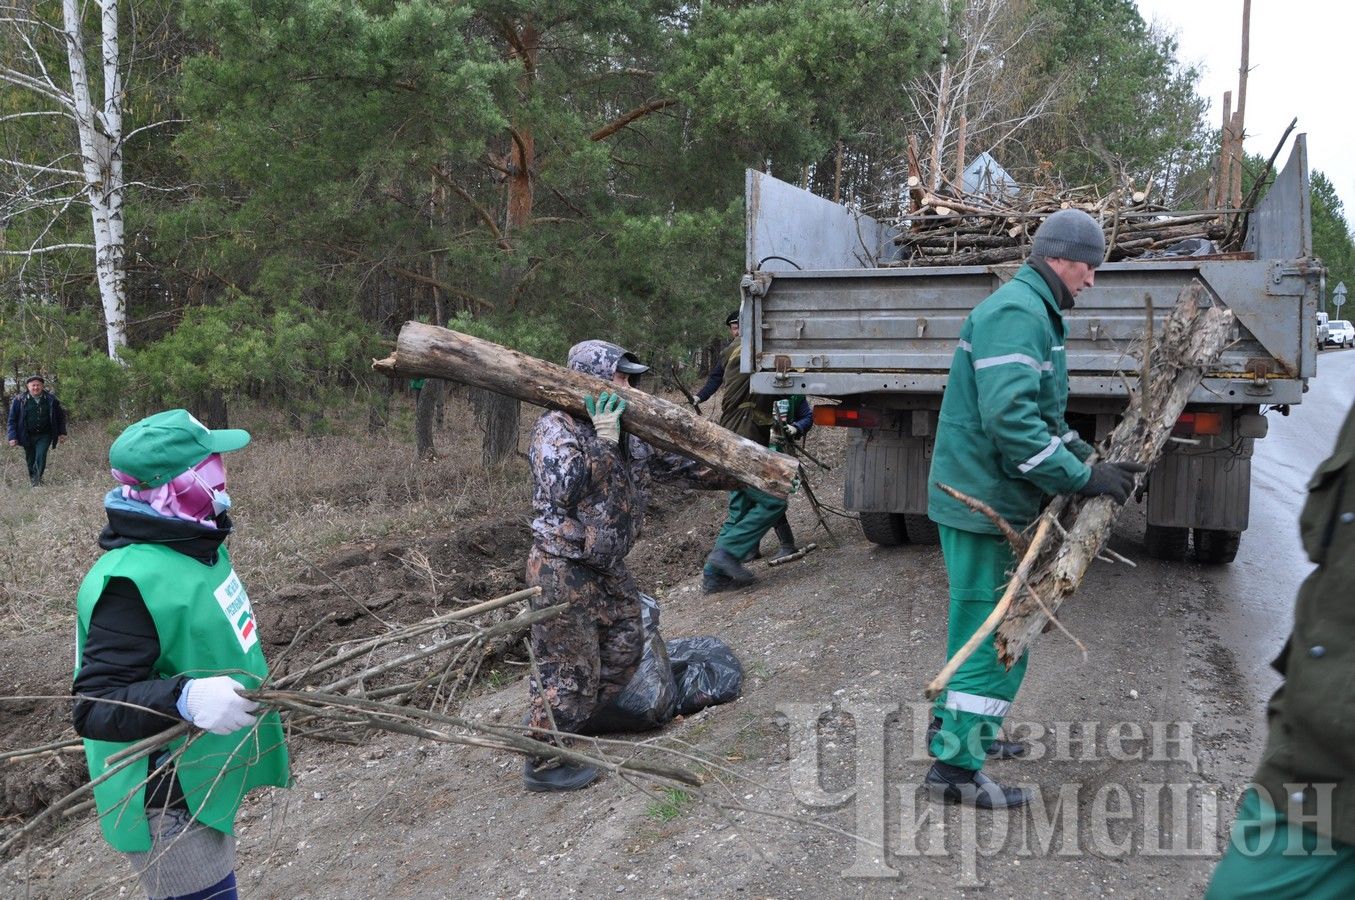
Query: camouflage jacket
[[589, 495]]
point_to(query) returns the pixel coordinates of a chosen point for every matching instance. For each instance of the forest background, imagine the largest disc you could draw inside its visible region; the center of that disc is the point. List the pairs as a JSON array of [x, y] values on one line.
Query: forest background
[[246, 198]]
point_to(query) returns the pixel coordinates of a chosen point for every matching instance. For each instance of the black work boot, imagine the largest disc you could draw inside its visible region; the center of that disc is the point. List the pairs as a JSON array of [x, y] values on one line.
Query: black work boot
[[540, 777], [714, 582], [952, 784], [755, 553], [998, 749], [722, 561], [785, 538]]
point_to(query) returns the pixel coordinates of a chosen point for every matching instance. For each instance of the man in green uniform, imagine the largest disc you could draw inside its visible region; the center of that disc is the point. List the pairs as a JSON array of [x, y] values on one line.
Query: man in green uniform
[[1295, 831], [1002, 439]]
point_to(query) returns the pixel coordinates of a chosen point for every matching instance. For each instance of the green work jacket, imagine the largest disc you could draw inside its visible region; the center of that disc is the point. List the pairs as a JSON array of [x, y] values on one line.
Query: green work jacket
[[1002, 437], [1310, 751]]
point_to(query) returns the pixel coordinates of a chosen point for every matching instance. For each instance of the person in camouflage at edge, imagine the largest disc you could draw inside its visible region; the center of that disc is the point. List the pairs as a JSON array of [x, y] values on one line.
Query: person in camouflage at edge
[[589, 493]]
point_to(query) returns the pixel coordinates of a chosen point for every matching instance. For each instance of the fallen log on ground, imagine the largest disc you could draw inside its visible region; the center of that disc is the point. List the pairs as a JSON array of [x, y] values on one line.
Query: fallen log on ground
[[1071, 533], [426, 350]]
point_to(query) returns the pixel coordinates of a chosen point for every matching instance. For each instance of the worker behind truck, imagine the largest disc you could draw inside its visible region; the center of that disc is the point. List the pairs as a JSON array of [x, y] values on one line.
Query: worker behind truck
[[1295, 830], [793, 420], [752, 513], [1002, 439]]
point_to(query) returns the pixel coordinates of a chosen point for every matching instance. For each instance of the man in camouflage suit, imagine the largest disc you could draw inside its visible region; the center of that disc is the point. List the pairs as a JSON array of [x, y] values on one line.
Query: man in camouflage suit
[[589, 494]]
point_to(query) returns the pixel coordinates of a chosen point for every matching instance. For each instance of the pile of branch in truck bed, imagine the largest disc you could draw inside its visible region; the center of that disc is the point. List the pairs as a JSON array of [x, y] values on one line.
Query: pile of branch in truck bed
[[1059, 547], [955, 228]]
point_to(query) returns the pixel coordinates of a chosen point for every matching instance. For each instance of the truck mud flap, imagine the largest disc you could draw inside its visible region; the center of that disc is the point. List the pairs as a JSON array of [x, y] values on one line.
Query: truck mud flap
[[887, 473], [1202, 490]]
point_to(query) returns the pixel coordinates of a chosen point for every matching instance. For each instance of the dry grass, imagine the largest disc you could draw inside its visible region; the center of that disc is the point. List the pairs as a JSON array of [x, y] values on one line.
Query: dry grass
[[295, 498]]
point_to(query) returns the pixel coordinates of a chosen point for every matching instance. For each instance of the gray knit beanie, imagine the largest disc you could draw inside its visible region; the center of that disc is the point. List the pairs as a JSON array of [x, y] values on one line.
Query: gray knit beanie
[[1070, 234]]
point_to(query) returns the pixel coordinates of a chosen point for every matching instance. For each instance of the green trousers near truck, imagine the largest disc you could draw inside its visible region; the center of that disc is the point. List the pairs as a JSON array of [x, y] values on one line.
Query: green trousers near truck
[[751, 513], [1271, 857], [979, 694]]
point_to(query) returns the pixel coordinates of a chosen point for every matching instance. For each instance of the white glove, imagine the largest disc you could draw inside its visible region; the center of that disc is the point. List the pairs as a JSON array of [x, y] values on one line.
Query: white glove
[[606, 412], [792, 432], [215, 705]]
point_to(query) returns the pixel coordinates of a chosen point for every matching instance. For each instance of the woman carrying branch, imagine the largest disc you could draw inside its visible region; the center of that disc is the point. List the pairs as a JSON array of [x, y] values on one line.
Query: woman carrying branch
[[589, 492], [165, 636], [1002, 439]]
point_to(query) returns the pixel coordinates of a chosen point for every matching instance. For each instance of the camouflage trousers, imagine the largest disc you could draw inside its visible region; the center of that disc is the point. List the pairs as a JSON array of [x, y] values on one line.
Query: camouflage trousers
[[587, 654]]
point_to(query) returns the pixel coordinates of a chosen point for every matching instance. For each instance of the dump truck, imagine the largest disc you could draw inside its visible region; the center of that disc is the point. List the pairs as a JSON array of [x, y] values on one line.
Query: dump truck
[[825, 314]]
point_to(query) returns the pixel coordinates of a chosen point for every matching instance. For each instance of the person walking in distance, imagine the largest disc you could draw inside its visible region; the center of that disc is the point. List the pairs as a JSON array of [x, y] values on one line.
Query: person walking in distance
[[37, 422]]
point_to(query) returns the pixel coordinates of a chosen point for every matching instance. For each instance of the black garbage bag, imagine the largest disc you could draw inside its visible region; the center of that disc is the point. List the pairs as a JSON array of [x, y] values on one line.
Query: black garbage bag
[[650, 698], [707, 672]]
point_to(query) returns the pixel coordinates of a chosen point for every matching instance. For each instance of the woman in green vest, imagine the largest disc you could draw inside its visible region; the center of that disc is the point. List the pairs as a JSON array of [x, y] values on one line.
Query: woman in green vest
[[165, 635]]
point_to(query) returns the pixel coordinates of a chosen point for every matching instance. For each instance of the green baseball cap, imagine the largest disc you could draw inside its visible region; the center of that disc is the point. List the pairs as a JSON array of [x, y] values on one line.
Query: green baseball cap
[[167, 444]]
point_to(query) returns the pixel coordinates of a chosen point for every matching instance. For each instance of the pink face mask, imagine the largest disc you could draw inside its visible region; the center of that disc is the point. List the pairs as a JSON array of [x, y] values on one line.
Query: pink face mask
[[197, 495]]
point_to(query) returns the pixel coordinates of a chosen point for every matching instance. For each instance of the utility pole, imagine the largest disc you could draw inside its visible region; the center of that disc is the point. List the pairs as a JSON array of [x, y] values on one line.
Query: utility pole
[[1240, 115]]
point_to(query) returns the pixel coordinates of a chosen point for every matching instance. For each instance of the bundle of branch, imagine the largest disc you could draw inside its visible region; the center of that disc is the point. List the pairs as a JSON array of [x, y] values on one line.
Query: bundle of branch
[[450, 646], [361, 715], [957, 228], [1069, 535], [426, 350]]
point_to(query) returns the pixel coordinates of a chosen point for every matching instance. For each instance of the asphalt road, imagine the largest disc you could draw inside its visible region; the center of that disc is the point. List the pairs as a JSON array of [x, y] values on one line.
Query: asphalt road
[[1271, 564]]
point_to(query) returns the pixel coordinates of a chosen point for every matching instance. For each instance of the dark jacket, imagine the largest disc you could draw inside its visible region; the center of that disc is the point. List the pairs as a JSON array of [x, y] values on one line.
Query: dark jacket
[[18, 412], [1312, 715]]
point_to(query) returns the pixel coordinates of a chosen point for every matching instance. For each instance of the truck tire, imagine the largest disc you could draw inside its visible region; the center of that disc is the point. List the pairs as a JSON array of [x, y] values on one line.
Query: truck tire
[[1167, 542], [921, 530], [885, 529], [1216, 547]]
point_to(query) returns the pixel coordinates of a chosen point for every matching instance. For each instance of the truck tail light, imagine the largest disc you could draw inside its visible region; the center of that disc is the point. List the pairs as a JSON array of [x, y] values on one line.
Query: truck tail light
[[847, 416], [1198, 423]]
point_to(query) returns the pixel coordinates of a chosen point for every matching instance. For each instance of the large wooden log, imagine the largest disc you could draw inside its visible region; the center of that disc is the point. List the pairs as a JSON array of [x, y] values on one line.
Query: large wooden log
[[426, 350]]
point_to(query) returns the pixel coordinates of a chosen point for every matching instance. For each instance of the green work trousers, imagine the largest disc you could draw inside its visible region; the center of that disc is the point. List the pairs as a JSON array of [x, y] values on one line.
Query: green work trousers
[[1273, 858], [35, 454], [751, 514], [979, 694]]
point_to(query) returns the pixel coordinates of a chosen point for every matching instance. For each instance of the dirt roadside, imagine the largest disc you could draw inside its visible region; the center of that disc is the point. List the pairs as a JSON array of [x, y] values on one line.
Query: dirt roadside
[[850, 633]]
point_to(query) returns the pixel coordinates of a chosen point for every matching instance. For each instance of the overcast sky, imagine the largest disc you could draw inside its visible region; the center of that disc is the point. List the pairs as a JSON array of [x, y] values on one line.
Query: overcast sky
[[1302, 63]]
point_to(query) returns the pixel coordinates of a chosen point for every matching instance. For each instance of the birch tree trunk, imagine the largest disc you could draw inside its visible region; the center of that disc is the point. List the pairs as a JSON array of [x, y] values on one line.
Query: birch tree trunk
[[100, 132]]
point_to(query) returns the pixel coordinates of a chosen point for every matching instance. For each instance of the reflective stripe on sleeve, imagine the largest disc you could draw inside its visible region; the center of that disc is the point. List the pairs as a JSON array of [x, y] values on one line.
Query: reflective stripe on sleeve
[[1021, 358], [1054, 444], [966, 346], [1057, 348], [979, 706], [1069, 437]]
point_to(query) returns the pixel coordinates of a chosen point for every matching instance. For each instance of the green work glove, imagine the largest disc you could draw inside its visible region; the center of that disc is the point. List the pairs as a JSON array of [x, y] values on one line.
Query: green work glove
[[606, 412]]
